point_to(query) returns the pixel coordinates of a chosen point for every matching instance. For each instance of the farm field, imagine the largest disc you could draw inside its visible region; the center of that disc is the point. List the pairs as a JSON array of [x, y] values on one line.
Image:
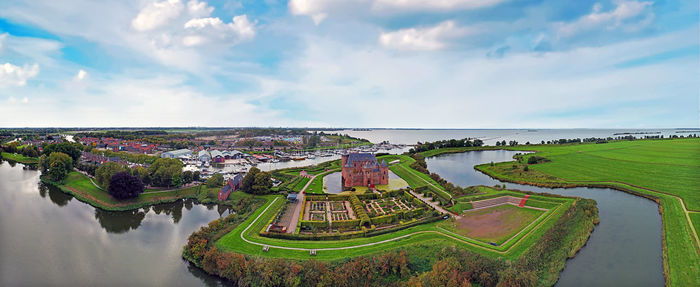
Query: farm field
[[495, 224], [666, 170]]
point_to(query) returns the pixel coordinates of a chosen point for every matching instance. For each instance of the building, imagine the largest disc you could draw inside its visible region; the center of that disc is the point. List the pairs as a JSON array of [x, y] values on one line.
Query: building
[[363, 169], [204, 156], [231, 185], [177, 153]]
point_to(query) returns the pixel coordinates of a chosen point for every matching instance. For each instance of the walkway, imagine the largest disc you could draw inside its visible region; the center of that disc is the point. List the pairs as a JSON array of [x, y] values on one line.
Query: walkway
[[292, 227]]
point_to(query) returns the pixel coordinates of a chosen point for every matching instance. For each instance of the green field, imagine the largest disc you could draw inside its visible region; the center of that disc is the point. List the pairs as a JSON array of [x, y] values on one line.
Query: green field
[[80, 186], [414, 178], [337, 249], [666, 170]]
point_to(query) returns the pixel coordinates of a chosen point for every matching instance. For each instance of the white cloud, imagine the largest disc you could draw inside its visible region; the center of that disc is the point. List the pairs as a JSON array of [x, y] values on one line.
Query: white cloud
[[211, 29], [82, 75], [11, 75], [157, 14], [433, 5], [319, 10], [13, 100], [199, 9], [633, 13], [430, 38]]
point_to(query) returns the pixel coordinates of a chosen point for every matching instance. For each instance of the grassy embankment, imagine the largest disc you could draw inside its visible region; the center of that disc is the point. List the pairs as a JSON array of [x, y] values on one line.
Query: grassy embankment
[[667, 171], [20, 158], [80, 186], [414, 178]]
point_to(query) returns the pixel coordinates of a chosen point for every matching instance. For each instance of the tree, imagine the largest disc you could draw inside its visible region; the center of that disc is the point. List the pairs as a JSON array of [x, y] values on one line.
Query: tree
[[195, 176], [123, 185], [163, 170], [59, 165], [74, 150], [262, 183], [187, 176], [143, 174], [216, 180], [249, 180], [104, 173]]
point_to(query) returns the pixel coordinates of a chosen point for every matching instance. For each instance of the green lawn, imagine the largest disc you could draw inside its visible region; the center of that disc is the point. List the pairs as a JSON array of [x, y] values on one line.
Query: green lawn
[[19, 158], [80, 186], [414, 178], [664, 169]]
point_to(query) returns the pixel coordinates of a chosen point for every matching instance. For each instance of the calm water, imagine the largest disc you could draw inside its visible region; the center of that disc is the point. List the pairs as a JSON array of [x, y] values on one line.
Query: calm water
[[403, 136], [50, 238], [623, 250]]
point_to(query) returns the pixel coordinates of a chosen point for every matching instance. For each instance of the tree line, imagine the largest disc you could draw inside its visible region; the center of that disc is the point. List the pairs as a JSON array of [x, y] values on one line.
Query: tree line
[[467, 142]]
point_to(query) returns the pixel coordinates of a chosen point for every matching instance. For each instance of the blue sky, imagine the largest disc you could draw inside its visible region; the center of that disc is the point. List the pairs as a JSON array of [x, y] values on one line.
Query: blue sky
[[342, 63]]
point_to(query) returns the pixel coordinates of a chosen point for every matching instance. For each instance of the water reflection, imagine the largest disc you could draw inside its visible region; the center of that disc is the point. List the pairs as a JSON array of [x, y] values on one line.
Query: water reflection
[[119, 221], [65, 242], [57, 196]]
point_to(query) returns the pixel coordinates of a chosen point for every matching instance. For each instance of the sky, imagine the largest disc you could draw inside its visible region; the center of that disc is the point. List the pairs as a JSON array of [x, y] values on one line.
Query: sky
[[350, 63]]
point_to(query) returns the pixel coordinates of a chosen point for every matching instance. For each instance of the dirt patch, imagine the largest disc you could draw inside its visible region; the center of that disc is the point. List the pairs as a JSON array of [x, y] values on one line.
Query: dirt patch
[[496, 224]]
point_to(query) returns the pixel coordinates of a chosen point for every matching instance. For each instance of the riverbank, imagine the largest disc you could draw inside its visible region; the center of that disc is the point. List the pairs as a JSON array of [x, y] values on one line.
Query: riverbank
[[624, 166], [20, 158], [82, 188]]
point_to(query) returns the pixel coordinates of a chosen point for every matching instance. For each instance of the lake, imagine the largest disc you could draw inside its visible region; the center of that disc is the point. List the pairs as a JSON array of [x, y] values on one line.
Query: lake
[[50, 238], [623, 250]]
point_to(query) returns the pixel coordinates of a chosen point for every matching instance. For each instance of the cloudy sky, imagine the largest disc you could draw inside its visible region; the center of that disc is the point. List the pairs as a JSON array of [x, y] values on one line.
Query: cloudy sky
[[350, 63]]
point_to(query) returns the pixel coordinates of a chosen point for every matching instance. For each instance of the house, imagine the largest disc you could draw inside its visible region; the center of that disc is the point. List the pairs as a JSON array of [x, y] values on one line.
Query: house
[[363, 169], [217, 156], [231, 185], [176, 153]]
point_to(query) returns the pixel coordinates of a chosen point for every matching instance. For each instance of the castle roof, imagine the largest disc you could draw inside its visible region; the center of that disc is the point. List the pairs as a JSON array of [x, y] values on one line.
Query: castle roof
[[360, 157]]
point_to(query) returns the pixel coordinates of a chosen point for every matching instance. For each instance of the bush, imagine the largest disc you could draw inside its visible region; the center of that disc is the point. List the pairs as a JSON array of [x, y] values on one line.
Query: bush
[[536, 159], [124, 186]]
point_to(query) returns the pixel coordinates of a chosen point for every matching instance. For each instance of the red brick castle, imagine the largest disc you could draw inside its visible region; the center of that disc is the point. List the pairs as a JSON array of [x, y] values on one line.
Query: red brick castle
[[363, 169]]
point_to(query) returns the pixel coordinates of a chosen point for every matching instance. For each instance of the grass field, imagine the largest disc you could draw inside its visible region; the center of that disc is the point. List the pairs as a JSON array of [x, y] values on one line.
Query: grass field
[[79, 185], [19, 158], [245, 238], [666, 170], [494, 224], [414, 178]]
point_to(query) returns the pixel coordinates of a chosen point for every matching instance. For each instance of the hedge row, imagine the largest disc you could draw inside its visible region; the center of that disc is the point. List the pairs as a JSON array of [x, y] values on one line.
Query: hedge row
[[313, 224], [329, 197], [317, 237], [359, 210], [346, 223]]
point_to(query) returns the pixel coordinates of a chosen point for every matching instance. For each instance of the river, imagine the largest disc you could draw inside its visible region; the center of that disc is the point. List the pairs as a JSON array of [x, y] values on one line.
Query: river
[[623, 250], [50, 238]]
